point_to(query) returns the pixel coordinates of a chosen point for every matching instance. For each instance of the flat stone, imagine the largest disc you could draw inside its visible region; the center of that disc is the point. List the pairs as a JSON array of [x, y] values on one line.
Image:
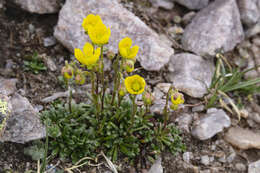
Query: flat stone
[[4, 112], [166, 4], [214, 27], [205, 160], [7, 86], [190, 74], [184, 121], [193, 4], [243, 138], [214, 122], [153, 53], [254, 167], [249, 11], [254, 30], [157, 166], [39, 6], [49, 41], [24, 124]]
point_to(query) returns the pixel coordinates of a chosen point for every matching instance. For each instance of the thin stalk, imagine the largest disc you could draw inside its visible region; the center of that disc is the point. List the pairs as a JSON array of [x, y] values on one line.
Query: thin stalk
[[102, 78], [70, 95], [134, 107], [44, 163], [115, 79], [94, 96], [165, 111]]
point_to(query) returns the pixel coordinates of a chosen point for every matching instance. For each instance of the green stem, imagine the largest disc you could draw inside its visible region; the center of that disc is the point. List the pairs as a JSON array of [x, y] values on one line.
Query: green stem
[[165, 111], [44, 162], [70, 94], [115, 79], [102, 78], [133, 112], [94, 96]]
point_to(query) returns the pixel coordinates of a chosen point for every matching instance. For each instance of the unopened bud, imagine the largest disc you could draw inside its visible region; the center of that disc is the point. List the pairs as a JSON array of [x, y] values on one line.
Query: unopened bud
[[80, 79], [67, 71], [122, 90], [110, 55], [148, 98], [129, 65]]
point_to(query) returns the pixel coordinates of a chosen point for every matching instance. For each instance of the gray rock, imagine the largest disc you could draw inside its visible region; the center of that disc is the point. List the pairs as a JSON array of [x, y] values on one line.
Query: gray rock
[[55, 96], [249, 11], [166, 4], [157, 166], [254, 30], [231, 157], [153, 53], [184, 122], [158, 106], [214, 27], [24, 124], [49, 41], [198, 108], [243, 138], [193, 4], [187, 156], [39, 6], [214, 122], [190, 73], [254, 167], [4, 112], [164, 87], [240, 167], [205, 160], [188, 17], [7, 86]]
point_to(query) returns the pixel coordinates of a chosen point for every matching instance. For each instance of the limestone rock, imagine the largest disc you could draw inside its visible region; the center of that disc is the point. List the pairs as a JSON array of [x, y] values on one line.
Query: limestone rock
[[214, 27], [242, 138], [7, 86], [249, 11], [39, 6], [24, 124], [214, 122], [153, 52], [254, 167], [193, 4], [190, 73]]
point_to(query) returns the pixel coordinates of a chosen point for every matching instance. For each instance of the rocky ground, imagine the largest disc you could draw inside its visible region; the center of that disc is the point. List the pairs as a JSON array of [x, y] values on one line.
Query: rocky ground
[[178, 41]]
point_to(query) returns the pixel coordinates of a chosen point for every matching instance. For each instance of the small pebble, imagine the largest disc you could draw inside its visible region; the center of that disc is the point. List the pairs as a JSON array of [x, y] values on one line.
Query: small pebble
[[177, 19], [205, 160], [49, 41], [240, 167]]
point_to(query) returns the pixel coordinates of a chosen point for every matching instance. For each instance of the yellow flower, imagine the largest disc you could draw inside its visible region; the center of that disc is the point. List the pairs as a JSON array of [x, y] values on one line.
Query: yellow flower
[[135, 84], [177, 98], [99, 34], [125, 49], [90, 21], [89, 56]]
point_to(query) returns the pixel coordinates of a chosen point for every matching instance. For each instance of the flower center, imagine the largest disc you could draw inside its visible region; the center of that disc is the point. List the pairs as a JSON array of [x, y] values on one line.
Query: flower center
[[136, 86]]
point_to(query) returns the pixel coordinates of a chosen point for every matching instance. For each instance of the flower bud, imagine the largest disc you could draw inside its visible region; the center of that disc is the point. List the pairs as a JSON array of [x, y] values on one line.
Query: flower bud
[[128, 65], [67, 71], [148, 98], [110, 55], [122, 90], [80, 79]]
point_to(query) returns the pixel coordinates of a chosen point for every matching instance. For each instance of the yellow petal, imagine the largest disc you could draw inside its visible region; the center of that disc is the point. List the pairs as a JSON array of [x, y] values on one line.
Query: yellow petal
[[79, 56], [88, 49], [134, 51], [125, 43]]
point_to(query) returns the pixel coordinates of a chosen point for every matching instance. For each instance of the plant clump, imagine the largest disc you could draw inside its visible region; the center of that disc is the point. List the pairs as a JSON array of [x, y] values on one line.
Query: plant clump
[[111, 122]]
